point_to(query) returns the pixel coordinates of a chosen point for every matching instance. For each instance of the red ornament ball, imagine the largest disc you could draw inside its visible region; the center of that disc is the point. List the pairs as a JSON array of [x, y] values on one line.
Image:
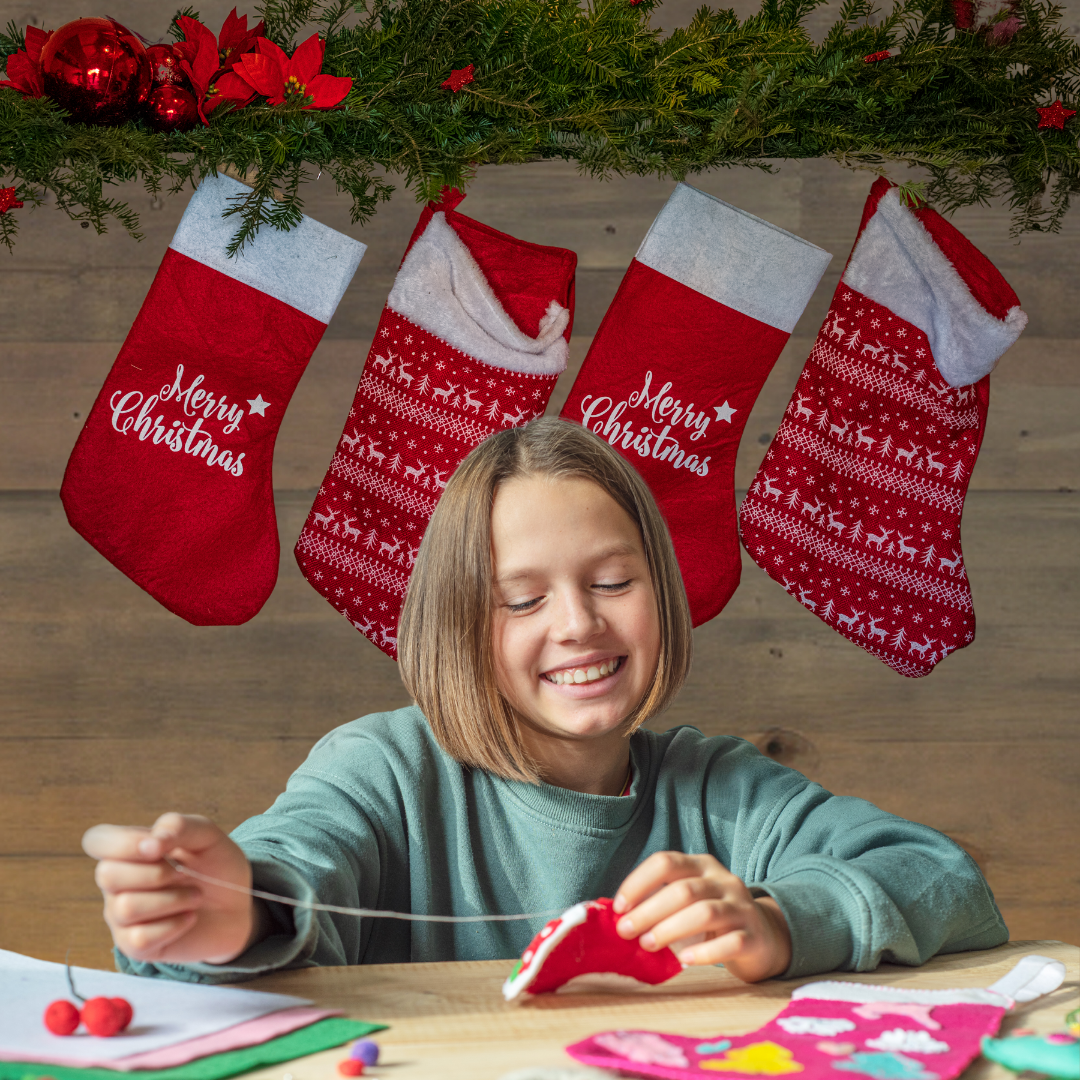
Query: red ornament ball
[[165, 66], [172, 108], [97, 70], [62, 1018], [102, 1017], [125, 1011], [350, 1067]]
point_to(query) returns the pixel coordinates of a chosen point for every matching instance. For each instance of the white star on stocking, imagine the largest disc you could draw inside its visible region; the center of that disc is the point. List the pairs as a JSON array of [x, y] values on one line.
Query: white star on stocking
[[724, 412], [257, 405]]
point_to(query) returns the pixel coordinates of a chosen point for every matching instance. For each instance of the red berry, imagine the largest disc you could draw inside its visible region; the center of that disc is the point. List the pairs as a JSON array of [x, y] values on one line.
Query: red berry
[[102, 1017], [350, 1067], [126, 1012], [62, 1018]]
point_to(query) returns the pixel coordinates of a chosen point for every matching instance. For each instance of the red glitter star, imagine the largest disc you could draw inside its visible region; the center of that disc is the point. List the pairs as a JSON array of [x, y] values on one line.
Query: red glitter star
[[458, 78], [8, 200], [1054, 116], [875, 56]]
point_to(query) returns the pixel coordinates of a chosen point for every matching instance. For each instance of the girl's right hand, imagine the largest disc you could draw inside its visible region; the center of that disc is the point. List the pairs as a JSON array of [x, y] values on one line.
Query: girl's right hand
[[158, 914]]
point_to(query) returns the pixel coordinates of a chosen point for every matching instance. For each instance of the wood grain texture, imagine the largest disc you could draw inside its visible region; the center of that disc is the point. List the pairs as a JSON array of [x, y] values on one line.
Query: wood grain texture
[[449, 1020]]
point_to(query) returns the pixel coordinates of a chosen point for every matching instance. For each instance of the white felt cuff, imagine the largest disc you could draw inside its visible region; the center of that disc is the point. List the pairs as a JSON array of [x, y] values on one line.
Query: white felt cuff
[[897, 264], [442, 290], [308, 268], [734, 258]]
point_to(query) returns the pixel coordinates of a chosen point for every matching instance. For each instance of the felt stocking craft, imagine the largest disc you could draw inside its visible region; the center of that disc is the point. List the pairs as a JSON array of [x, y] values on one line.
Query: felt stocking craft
[[673, 372], [171, 476], [856, 508], [472, 338], [832, 1030], [583, 941]]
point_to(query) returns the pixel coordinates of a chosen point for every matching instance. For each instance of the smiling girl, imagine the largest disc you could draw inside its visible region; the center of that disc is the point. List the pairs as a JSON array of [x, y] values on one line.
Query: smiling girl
[[545, 623]]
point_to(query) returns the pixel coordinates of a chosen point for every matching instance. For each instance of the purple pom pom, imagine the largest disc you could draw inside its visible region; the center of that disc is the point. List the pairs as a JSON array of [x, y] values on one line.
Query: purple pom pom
[[366, 1051]]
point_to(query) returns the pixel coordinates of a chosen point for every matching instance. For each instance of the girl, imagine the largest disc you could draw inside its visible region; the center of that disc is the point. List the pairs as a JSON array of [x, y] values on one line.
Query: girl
[[545, 623]]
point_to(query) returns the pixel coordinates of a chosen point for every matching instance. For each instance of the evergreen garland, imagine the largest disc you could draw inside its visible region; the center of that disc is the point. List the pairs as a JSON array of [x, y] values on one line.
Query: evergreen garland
[[598, 86]]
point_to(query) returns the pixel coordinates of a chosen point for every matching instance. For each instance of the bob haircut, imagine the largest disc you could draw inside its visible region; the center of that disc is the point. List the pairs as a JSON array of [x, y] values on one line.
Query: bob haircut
[[445, 632]]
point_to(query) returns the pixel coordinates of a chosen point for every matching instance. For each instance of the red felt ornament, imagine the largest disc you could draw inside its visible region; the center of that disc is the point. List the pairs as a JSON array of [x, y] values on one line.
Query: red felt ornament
[[1054, 116], [351, 1067], [97, 70], [102, 1016], [8, 200], [172, 108], [165, 65], [874, 57], [459, 77], [62, 1018]]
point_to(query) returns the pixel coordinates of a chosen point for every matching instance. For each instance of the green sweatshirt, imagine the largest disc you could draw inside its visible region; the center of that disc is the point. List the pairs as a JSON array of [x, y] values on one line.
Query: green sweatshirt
[[379, 816]]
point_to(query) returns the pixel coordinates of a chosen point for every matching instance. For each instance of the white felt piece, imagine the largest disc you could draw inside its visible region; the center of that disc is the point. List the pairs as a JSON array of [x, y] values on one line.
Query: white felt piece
[[166, 1012], [861, 992], [1031, 978], [734, 258], [442, 290], [308, 268], [897, 264]]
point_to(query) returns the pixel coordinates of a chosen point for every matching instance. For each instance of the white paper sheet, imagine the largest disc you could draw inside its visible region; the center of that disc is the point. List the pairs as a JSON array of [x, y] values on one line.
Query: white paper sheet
[[166, 1012]]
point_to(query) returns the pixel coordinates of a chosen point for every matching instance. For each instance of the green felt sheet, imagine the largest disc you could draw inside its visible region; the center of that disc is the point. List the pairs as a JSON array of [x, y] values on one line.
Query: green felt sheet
[[322, 1035]]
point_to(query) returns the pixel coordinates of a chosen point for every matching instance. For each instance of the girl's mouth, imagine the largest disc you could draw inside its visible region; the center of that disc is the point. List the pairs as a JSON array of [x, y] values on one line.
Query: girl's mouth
[[589, 673]]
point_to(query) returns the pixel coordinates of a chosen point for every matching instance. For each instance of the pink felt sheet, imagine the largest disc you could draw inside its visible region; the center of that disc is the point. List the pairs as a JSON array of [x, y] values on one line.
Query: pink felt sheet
[[249, 1033]]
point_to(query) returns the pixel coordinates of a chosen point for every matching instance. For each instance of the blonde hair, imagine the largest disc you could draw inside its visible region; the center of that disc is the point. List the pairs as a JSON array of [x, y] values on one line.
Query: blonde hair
[[445, 652]]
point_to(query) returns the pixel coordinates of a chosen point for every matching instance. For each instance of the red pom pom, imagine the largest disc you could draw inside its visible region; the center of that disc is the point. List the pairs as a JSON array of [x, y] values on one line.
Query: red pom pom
[[350, 1067], [125, 1011], [102, 1017], [62, 1018]]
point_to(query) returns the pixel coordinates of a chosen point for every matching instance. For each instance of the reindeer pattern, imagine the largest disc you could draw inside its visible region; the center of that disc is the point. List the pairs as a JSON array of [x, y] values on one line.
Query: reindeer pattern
[[876, 451]]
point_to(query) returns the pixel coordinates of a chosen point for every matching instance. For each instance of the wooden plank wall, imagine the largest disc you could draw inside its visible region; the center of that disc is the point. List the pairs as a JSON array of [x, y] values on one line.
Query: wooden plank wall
[[112, 709]]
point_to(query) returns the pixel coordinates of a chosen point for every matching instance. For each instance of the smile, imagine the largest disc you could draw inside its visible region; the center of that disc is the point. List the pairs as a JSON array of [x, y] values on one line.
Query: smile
[[566, 676]]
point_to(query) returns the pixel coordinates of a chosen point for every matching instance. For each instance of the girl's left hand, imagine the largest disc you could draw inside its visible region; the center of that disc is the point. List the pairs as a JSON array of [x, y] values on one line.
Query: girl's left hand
[[672, 897]]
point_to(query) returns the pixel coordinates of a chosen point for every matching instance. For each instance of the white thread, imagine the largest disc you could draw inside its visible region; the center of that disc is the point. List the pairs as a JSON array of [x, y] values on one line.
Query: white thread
[[366, 913]]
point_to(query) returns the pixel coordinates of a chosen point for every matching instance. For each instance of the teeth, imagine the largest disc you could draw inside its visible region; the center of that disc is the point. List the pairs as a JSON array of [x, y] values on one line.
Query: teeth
[[583, 675]]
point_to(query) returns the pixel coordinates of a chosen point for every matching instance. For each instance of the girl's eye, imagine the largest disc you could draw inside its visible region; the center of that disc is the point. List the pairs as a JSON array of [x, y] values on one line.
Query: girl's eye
[[616, 587], [525, 605]]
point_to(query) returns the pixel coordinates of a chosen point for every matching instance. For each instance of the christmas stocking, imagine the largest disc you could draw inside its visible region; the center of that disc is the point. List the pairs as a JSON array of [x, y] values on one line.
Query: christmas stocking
[[881, 1032], [171, 476], [856, 508], [693, 332], [472, 338]]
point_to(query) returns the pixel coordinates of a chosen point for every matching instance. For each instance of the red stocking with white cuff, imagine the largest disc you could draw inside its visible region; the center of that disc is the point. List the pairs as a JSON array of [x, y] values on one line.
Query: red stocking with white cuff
[[673, 372], [856, 508], [472, 338], [171, 476]]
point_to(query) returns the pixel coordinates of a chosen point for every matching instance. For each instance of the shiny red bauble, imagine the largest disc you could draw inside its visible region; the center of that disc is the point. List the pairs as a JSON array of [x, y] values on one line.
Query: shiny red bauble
[[171, 108], [62, 1018], [97, 70], [165, 66], [102, 1016]]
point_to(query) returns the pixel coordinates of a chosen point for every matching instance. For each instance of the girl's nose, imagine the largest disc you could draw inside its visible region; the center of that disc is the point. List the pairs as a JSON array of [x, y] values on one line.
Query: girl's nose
[[576, 616]]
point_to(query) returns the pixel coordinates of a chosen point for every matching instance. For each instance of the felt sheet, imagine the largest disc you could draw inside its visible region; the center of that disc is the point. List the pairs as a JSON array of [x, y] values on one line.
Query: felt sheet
[[166, 1012], [309, 1040], [250, 1033]]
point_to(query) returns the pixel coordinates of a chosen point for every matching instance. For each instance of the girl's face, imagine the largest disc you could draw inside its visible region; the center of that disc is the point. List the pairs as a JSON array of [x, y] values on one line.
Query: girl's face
[[576, 634]]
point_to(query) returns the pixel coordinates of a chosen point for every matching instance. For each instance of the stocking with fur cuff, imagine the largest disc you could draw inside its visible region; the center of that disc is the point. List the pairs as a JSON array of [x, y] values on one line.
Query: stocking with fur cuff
[[472, 338], [702, 313], [171, 476], [856, 508]]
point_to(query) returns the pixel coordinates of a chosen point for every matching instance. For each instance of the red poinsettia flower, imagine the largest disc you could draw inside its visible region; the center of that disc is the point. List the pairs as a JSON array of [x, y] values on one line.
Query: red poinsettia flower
[[24, 67], [279, 77], [235, 38], [207, 58]]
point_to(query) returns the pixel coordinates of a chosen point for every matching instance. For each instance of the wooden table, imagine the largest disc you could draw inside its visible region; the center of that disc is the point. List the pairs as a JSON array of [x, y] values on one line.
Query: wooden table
[[449, 1021]]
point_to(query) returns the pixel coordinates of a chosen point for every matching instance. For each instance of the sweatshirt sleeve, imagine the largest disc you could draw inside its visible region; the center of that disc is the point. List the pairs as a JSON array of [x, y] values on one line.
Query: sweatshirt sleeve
[[857, 886], [315, 843]]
